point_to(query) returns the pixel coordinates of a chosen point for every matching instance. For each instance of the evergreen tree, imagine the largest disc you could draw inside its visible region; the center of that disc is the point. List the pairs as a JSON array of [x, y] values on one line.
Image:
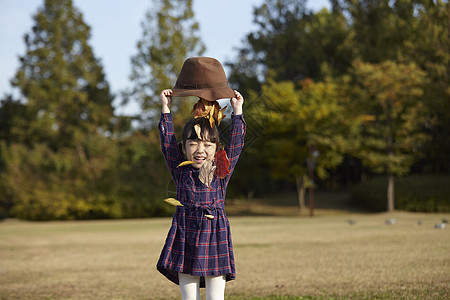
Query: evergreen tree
[[56, 152], [170, 35], [61, 81], [12, 113]]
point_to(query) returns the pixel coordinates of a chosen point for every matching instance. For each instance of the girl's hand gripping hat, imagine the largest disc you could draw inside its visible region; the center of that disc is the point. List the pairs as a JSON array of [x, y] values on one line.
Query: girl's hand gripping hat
[[203, 77]]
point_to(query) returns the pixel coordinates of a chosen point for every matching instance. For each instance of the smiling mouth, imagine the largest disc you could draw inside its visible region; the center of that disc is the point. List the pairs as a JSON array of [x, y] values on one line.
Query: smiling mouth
[[199, 160]]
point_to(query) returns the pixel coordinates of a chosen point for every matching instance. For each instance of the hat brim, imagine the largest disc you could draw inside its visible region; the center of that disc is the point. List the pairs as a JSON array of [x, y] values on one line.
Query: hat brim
[[207, 94]]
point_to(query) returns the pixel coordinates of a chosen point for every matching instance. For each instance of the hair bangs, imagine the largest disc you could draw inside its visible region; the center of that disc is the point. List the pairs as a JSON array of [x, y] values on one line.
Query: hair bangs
[[207, 133]]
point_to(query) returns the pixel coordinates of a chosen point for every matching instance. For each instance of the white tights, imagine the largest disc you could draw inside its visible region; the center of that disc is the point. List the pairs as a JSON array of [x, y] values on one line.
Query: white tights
[[190, 287]]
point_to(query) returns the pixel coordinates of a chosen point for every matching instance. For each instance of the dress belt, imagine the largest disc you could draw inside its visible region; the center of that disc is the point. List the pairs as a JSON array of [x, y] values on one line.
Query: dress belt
[[209, 211]]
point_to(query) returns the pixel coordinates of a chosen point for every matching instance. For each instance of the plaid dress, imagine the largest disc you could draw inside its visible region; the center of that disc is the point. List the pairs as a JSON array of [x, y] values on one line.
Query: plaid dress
[[195, 244]]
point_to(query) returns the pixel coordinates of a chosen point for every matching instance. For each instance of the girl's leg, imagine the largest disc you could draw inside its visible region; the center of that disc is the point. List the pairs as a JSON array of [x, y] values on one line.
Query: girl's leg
[[215, 287], [189, 286]]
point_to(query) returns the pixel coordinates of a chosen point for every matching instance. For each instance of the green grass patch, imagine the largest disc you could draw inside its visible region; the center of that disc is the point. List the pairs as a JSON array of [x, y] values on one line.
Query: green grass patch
[[419, 193]]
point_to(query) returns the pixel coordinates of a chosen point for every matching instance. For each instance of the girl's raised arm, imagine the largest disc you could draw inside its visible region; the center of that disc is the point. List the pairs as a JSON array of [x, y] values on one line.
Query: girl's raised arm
[[236, 103], [237, 133], [169, 145], [166, 100]]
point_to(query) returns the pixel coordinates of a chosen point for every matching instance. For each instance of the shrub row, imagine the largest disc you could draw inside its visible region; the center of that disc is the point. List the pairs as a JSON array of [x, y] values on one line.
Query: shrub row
[[417, 193]]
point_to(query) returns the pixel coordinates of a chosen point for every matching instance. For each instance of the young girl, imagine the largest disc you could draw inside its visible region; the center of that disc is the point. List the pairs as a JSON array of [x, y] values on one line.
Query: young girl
[[198, 251]]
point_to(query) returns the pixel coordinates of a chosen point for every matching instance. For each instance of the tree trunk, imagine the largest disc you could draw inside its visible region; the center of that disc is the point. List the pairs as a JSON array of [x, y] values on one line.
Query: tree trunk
[[390, 194], [301, 193]]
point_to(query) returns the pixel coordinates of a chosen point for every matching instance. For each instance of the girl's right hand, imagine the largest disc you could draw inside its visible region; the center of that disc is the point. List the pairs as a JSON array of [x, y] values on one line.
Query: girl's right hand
[[166, 100]]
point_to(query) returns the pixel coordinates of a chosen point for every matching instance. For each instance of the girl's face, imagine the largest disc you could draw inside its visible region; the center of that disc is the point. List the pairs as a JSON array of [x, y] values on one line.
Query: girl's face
[[199, 151]]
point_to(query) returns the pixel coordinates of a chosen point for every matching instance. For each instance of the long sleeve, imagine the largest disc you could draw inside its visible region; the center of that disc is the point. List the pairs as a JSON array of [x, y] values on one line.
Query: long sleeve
[[235, 142], [169, 145]]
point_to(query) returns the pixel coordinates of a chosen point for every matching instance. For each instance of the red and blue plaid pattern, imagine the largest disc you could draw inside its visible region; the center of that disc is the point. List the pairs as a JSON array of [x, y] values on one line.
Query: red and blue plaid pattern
[[195, 244]]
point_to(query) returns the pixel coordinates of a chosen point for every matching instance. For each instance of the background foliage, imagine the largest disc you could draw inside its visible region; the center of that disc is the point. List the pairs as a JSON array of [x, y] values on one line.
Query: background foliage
[[414, 193], [366, 84]]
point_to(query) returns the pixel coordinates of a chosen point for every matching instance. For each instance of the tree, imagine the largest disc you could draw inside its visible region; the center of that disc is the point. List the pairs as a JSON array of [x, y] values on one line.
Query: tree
[[407, 31], [292, 43], [380, 29], [12, 113], [56, 149], [430, 50], [62, 83], [393, 138], [299, 122], [170, 35]]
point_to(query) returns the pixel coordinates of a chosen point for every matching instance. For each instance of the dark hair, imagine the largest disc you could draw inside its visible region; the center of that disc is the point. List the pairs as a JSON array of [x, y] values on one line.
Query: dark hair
[[212, 134]]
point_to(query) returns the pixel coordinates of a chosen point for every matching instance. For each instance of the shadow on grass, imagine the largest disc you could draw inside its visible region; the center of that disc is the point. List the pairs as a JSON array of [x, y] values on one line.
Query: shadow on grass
[[286, 204]]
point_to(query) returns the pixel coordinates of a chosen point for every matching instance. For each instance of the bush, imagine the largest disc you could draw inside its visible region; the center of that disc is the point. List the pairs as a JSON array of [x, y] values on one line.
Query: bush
[[418, 193], [101, 179]]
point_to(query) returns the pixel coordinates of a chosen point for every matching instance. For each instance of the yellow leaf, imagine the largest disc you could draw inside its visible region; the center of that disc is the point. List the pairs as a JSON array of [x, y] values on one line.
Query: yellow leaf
[[208, 106], [198, 131], [185, 163], [212, 110], [216, 109], [220, 115], [173, 201]]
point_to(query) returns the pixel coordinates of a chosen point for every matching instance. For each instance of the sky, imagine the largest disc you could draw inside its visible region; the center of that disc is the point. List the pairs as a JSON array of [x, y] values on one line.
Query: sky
[[116, 28]]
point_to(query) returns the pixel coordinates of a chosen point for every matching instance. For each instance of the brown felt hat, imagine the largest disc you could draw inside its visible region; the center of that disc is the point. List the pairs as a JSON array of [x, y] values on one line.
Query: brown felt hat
[[203, 77]]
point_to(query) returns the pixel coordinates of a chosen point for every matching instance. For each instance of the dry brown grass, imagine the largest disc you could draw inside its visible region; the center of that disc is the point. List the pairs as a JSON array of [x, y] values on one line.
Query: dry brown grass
[[320, 258]]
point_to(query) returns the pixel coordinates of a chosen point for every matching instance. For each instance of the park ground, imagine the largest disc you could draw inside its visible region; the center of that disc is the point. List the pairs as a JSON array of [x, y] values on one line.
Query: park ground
[[280, 254]]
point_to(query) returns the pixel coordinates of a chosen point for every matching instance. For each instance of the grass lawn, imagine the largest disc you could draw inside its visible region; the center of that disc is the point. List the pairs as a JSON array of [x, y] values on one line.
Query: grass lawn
[[277, 257]]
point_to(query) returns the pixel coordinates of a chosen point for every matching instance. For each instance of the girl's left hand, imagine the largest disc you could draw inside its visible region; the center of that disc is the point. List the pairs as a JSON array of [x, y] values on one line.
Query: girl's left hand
[[236, 103]]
